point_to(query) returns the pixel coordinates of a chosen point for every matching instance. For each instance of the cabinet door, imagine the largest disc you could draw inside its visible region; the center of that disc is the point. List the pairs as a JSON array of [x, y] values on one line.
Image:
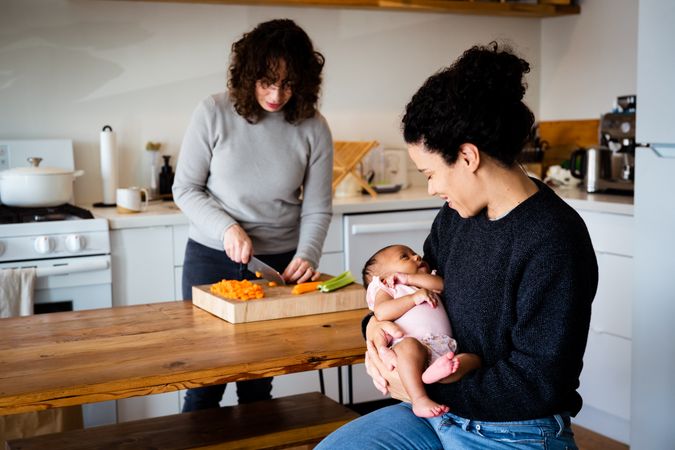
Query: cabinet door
[[612, 307], [180, 238], [137, 408], [142, 265], [367, 233], [605, 385], [332, 263], [178, 283], [333, 242], [610, 233]]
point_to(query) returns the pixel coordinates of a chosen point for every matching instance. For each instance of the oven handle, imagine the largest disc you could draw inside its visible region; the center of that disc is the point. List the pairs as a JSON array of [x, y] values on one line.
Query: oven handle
[[374, 228], [72, 268]]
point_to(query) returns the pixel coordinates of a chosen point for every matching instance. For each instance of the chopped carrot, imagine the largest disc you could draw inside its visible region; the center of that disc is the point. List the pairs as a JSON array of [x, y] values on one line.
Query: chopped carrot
[[272, 284], [258, 275], [234, 289], [305, 287]]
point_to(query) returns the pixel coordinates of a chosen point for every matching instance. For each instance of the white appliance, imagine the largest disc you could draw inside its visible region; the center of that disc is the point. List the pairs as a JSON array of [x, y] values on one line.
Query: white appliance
[[387, 167], [69, 248], [653, 357]]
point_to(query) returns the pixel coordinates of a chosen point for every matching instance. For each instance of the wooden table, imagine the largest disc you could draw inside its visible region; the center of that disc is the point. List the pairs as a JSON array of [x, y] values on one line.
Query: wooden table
[[71, 358]]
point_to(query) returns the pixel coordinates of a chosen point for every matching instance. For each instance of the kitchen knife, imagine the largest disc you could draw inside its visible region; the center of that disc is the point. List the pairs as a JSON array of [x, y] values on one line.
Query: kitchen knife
[[268, 273]]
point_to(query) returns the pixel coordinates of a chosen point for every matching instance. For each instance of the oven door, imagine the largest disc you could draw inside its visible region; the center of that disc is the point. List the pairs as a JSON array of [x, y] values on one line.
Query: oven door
[[74, 284], [70, 284]]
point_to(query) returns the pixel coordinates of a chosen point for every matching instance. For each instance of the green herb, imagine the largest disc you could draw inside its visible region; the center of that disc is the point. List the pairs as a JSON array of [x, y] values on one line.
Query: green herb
[[337, 282]]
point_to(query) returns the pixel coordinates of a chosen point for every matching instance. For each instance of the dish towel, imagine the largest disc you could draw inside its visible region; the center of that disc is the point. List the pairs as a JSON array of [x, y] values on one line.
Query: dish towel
[[17, 288]]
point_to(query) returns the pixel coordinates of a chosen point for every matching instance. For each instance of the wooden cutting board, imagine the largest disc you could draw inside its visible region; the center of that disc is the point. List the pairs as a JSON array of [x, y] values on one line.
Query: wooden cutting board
[[279, 302]]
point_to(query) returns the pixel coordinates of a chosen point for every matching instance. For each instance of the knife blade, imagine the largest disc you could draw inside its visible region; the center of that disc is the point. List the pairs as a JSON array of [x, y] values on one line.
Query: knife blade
[[268, 273]]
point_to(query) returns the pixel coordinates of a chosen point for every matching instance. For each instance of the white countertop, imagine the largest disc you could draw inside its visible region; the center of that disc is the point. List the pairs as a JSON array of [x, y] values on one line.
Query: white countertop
[[162, 213], [606, 203]]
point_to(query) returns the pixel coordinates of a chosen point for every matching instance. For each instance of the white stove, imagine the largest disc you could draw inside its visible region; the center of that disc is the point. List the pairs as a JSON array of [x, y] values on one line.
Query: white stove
[[67, 246]]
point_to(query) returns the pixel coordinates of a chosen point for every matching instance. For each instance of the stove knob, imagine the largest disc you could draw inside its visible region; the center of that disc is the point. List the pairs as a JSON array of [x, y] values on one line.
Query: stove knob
[[75, 243], [44, 245]]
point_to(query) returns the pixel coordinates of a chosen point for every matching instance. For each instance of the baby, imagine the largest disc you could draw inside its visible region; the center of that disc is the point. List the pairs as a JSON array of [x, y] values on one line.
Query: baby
[[402, 289]]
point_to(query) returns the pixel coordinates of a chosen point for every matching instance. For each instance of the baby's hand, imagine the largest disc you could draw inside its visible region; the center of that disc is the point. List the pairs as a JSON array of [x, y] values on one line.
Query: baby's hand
[[400, 278], [425, 296], [396, 278]]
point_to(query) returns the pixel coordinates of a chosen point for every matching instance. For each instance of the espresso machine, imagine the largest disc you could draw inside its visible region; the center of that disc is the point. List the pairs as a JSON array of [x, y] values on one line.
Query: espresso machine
[[610, 167]]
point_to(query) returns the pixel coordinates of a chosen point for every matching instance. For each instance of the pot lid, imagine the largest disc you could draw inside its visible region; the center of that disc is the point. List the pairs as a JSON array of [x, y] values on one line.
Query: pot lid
[[37, 171]]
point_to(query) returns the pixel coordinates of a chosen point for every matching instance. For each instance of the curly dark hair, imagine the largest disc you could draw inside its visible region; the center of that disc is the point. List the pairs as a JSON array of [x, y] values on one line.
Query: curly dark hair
[[367, 272], [256, 57], [477, 100]]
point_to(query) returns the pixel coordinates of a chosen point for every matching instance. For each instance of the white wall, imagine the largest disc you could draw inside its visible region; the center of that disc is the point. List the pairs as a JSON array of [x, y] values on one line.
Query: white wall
[[67, 68], [589, 59]]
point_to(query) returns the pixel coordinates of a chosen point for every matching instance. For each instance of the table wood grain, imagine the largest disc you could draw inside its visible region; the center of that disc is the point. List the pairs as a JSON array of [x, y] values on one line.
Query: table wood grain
[[60, 359]]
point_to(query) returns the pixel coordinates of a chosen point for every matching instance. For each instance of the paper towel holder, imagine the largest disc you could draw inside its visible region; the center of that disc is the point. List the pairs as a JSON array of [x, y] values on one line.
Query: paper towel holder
[[108, 170]]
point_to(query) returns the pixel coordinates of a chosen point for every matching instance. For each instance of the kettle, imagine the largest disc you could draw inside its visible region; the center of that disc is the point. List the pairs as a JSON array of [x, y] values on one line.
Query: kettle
[[592, 165]]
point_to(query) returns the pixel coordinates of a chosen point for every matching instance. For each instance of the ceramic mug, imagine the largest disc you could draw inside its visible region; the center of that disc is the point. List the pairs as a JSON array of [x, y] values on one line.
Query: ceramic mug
[[132, 199]]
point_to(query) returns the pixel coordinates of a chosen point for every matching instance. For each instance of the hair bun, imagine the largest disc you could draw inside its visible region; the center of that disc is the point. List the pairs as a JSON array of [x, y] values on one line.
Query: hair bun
[[492, 75]]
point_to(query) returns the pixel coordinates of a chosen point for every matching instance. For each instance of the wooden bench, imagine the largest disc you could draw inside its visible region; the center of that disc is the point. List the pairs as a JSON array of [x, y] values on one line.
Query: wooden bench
[[278, 423]]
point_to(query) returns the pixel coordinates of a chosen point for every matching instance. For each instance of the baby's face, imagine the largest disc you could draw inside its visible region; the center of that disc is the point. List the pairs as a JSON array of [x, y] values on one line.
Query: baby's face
[[401, 259]]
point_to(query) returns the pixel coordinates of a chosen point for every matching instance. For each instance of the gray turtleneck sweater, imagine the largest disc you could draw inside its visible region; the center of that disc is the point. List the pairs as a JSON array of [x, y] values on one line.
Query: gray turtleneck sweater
[[272, 178]]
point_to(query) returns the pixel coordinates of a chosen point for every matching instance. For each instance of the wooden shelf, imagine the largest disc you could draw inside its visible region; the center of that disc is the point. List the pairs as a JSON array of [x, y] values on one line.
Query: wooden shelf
[[544, 8]]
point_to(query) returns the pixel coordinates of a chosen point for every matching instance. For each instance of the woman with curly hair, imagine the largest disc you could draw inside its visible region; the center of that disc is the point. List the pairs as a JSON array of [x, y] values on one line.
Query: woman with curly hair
[[254, 174], [518, 267]]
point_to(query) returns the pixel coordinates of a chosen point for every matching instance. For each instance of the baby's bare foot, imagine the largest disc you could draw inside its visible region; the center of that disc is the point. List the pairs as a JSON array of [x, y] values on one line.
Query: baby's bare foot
[[444, 366], [426, 407]]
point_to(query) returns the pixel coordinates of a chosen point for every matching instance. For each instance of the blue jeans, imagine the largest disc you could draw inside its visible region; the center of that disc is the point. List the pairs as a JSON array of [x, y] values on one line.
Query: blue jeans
[[396, 427], [204, 265]]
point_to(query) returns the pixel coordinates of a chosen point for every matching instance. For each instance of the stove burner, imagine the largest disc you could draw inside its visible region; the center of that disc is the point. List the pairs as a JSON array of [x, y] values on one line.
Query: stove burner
[[11, 214]]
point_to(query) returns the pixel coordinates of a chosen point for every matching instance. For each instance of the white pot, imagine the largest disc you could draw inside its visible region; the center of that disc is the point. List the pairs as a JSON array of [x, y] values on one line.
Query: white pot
[[37, 186]]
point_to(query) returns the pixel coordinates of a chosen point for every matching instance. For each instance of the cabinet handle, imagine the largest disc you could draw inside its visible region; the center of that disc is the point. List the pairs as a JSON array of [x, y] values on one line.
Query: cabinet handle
[[597, 330], [372, 228]]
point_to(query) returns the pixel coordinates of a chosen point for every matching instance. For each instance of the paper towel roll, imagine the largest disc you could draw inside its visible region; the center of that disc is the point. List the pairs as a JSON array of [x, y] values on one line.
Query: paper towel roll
[[109, 165]]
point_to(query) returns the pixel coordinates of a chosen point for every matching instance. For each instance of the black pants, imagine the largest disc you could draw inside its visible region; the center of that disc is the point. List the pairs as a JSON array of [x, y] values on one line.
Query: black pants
[[204, 265]]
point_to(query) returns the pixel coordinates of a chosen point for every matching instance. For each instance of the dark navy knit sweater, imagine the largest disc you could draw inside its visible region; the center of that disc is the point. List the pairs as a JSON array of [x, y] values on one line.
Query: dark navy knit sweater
[[518, 291]]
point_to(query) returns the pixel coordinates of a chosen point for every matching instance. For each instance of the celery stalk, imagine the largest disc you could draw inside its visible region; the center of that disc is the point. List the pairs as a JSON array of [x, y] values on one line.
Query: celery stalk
[[340, 281], [334, 279]]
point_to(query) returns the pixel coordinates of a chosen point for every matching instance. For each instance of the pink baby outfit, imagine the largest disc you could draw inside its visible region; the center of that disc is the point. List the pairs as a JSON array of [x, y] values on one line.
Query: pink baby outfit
[[428, 325]]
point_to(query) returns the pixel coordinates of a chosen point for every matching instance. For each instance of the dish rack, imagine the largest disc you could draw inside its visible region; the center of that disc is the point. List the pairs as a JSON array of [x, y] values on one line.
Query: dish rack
[[346, 156]]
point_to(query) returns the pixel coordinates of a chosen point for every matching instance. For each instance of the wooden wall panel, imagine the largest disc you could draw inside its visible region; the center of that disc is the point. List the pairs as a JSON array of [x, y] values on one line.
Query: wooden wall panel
[[564, 136]]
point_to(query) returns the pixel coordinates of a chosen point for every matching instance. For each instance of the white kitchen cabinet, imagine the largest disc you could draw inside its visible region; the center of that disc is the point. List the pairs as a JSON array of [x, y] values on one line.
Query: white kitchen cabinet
[[606, 376], [143, 272], [137, 408], [142, 268], [179, 241], [605, 385], [333, 256]]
